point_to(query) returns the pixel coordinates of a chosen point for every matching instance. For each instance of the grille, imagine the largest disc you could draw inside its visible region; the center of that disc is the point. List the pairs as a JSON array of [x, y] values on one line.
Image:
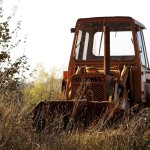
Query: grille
[[89, 86]]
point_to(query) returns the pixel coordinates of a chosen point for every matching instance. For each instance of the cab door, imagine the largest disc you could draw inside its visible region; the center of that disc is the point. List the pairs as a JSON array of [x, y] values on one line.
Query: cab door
[[144, 66]]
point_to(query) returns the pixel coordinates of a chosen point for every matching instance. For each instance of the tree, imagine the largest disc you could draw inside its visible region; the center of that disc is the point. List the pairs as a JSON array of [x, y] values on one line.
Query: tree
[[44, 86], [11, 71]]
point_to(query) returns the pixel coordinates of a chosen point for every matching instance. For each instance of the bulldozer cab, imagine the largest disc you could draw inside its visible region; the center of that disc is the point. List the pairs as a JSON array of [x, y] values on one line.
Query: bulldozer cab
[[108, 61]]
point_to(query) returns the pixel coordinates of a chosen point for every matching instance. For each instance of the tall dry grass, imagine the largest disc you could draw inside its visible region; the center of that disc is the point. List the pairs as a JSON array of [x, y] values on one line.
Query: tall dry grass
[[16, 133]]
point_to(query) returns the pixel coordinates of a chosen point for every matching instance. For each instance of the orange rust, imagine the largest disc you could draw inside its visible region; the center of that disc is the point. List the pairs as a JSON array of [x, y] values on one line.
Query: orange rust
[[65, 75]]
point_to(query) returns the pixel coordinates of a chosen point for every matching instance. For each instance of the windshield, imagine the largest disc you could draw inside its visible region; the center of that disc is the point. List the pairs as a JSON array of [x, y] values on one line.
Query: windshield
[[90, 41]]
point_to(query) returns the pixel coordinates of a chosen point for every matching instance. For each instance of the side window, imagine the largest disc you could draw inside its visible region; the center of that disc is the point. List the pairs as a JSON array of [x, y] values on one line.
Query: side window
[[86, 45], [141, 48], [98, 44], [78, 44], [82, 45], [146, 58]]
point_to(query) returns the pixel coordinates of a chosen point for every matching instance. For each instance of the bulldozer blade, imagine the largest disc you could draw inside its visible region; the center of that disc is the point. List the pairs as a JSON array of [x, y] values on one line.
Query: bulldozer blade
[[79, 111]]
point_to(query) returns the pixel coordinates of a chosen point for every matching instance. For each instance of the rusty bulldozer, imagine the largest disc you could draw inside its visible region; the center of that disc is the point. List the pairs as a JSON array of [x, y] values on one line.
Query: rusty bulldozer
[[108, 65]]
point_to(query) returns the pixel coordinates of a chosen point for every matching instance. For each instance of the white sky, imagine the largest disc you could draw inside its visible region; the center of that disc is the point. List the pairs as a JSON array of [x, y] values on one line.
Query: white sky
[[47, 24]]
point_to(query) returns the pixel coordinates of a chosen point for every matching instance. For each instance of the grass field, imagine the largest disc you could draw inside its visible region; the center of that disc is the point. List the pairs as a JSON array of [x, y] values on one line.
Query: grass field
[[16, 133]]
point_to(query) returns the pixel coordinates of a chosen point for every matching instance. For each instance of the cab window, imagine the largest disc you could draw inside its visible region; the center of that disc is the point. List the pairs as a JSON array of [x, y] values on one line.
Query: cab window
[[141, 48]]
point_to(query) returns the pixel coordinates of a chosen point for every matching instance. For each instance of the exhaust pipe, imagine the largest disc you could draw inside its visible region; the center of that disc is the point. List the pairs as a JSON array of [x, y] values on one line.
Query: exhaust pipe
[[106, 50]]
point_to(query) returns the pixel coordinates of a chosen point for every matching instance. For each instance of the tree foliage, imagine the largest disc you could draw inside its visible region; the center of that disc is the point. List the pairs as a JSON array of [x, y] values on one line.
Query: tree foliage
[[11, 71], [45, 86], [4, 32]]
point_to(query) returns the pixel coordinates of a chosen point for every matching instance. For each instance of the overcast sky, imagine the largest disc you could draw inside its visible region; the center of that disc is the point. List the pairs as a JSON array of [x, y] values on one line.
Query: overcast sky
[[47, 24]]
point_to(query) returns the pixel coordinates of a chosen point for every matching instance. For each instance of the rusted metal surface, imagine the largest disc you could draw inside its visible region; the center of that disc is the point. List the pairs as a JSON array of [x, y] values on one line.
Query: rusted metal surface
[[118, 23], [91, 87], [77, 110], [106, 50]]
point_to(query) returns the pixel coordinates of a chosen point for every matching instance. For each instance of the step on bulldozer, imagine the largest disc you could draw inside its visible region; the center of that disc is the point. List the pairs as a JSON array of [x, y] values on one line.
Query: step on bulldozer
[[108, 71]]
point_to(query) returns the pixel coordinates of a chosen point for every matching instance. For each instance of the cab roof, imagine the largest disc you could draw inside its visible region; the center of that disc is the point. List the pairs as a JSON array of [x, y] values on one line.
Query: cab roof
[[114, 18]]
